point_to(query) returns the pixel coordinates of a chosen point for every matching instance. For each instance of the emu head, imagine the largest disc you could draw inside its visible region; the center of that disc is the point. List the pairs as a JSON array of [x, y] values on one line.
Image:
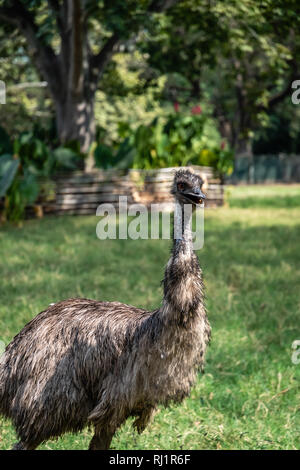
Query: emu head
[[187, 188]]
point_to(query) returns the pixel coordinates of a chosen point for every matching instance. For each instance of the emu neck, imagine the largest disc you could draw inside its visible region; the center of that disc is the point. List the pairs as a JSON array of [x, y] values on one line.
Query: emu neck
[[182, 240], [183, 288]]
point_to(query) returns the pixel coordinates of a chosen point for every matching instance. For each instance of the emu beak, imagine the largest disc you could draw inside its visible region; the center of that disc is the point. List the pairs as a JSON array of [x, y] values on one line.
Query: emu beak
[[195, 198]]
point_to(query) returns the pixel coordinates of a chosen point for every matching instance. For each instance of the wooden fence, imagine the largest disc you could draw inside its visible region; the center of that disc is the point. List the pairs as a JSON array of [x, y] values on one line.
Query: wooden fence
[[81, 193]]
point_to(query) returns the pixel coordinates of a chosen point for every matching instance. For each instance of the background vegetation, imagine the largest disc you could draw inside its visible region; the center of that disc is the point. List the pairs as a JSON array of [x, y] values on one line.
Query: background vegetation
[[156, 83]]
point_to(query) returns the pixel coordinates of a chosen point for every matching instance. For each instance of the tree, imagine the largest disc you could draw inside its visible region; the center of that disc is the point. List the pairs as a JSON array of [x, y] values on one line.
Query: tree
[[240, 56], [63, 38], [16, 71]]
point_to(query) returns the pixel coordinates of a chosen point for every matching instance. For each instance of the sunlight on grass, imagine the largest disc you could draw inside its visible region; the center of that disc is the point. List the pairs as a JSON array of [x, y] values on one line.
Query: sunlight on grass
[[278, 195]]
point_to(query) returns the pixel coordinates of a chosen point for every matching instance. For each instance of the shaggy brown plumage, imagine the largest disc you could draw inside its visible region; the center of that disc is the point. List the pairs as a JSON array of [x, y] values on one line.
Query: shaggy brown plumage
[[82, 361]]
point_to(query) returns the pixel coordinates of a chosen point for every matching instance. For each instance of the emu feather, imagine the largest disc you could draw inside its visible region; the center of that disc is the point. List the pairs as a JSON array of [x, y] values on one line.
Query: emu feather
[[84, 361]]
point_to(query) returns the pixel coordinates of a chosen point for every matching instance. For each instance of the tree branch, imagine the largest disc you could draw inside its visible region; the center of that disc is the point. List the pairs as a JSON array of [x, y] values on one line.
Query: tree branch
[[24, 85], [278, 97], [6, 14], [76, 50], [58, 13], [43, 54], [158, 6], [54, 5], [98, 62]]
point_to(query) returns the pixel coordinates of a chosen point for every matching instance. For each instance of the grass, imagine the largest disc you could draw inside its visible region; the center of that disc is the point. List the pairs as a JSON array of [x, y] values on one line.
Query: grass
[[278, 195], [249, 397]]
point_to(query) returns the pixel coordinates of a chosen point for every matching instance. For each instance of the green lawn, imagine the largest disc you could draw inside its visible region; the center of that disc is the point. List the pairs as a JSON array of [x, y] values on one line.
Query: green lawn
[[249, 397], [276, 195]]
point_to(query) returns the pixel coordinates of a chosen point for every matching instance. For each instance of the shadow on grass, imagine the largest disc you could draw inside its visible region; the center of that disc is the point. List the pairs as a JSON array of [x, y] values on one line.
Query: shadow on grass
[[268, 201]]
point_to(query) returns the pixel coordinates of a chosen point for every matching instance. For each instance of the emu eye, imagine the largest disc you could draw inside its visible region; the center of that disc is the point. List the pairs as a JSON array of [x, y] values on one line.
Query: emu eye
[[180, 186]]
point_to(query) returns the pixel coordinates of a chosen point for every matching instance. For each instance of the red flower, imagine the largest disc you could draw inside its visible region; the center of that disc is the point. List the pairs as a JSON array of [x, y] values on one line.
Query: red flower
[[176, 106], [222, 145], [196, 109]]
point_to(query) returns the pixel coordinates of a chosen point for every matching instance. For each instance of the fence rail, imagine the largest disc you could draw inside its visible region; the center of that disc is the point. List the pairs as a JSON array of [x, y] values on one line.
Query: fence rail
[[81, 193]]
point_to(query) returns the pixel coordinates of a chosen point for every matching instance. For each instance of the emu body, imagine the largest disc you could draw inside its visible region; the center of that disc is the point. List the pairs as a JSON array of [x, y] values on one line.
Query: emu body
[[85, 362]]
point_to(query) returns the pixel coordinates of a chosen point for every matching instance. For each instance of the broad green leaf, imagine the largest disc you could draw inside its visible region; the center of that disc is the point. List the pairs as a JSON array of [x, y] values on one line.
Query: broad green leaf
[[8, 170]]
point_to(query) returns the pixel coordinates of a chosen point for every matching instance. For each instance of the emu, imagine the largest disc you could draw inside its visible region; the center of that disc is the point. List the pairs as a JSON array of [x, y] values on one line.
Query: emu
[[86, 362]]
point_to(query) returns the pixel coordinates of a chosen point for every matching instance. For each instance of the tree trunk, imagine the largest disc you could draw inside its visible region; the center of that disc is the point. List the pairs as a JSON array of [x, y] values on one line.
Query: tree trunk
[[74, 73], [243, 147], [75, 121]]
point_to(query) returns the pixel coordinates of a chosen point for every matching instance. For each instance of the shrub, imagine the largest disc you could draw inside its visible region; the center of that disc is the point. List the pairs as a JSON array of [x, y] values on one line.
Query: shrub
[[178, 140], [24, 161]]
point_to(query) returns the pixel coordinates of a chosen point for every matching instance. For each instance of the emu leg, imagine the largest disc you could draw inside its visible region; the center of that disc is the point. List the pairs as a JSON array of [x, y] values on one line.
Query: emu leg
[[101, 440], [143, 418]]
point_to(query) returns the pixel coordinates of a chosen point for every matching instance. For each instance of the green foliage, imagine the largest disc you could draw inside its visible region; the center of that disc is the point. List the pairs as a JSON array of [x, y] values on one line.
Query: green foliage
[[106, 157], [30, 158], [178, 139], [27, 103], [237, 55], [63, 158], [233, 55], [5, 143], [35, 153], [126, 99], [8, 170], [24, 190], [181, 140], [18, 185], [220, 158]]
